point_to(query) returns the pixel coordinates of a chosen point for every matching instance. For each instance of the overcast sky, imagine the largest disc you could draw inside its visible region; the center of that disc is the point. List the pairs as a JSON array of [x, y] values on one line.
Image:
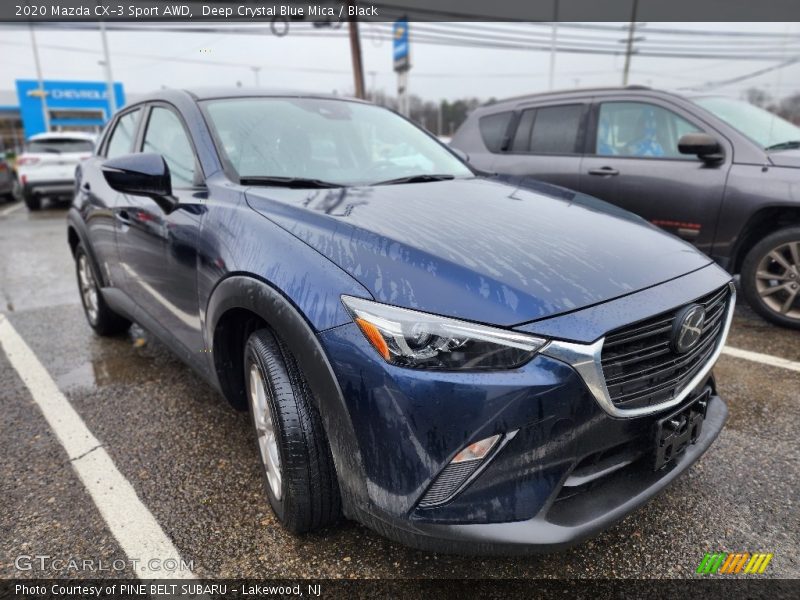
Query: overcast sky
[[307, 59]]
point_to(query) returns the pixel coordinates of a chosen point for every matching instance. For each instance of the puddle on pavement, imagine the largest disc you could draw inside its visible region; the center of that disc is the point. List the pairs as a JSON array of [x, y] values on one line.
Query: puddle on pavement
[[134, 358]]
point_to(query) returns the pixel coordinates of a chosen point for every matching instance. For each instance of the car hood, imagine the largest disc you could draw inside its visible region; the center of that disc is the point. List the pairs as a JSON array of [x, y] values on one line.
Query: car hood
[[785, 158], [480, 249]]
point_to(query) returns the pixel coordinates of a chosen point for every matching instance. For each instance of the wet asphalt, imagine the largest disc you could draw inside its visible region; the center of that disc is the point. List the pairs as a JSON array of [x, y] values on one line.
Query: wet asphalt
[[192, 461]]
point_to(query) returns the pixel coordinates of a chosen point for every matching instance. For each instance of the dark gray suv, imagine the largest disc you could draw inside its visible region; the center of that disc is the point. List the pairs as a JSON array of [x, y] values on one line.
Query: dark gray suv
[[720, 173]]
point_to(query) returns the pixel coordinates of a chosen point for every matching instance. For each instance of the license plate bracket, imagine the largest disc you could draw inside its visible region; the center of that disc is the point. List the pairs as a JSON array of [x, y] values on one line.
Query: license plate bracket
[[677, 431]]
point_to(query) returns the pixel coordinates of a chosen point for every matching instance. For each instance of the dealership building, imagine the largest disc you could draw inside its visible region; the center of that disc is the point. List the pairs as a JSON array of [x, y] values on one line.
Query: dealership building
[[70, 105]]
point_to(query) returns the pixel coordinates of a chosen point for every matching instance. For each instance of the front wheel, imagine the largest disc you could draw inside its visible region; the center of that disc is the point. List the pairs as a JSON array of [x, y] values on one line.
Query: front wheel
[[299, 475], [771, 277]]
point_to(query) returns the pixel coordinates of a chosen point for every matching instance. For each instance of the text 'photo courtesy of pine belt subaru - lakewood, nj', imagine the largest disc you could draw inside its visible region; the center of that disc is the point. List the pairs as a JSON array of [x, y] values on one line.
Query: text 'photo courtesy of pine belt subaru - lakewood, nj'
[[460, 364]]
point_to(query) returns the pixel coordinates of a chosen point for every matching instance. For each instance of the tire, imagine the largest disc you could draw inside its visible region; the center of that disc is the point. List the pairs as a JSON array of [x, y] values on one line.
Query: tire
[[305, 493], [32, 201], [101, 318], [771, 277]]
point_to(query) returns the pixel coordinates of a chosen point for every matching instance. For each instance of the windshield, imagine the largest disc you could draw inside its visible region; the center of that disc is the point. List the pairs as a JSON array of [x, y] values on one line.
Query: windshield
[[761, 126], [59, 145], [333, 141]]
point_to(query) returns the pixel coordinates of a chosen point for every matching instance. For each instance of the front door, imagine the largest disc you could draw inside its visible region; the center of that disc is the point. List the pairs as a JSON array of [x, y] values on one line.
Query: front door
[[158, 249], [635, 164]]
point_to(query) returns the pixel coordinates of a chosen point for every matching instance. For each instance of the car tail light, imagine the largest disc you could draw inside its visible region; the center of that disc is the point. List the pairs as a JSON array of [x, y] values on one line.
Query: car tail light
[[3, 166], [27, 160], [85, 156], [24, 179]]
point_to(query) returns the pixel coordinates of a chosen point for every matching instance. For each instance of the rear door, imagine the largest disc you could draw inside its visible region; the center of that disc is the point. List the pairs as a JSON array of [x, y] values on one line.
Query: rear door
[[546, 142], [101, 199], [633, 161]]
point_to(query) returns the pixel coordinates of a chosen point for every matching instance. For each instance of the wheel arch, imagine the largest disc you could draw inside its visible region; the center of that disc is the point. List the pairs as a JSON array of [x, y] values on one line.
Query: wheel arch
[[239, 305], [761, 223], [77, 234]]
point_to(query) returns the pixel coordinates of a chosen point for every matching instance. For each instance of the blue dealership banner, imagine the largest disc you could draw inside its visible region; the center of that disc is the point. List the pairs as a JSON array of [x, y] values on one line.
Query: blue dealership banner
[[69, 103]]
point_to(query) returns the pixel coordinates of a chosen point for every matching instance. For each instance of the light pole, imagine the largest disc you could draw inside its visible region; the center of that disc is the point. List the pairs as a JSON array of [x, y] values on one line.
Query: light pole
[[42, 93], [553, 40], [256, 75], [112, 97]]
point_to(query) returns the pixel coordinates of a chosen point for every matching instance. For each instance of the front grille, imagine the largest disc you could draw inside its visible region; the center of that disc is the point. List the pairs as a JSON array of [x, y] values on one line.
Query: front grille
[[640, 367]]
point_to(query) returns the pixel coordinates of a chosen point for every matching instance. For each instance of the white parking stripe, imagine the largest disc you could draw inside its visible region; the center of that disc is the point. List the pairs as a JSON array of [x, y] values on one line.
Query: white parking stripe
[[10, 209], [764, 359], [137, 531]]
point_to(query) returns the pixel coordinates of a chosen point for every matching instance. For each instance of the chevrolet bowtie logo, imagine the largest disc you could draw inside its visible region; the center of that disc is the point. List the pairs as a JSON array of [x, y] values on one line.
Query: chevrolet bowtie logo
[[37, 93]]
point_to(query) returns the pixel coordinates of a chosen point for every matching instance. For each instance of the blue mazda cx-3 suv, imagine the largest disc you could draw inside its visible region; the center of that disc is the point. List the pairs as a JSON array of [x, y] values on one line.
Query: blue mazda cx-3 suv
[[460, 362]]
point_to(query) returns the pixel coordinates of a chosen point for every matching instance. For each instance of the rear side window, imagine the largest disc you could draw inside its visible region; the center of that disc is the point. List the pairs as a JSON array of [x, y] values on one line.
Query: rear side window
[[549, 130], [493, 130], [121, 140]]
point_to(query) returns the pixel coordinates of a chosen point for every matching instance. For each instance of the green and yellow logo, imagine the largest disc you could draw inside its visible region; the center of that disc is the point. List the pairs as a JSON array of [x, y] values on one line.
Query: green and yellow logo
[[733, 563]]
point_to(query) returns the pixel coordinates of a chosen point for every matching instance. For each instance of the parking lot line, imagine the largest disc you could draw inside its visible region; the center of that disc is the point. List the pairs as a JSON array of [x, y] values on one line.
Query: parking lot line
[[10, 209], [764, 359], [132, 524]]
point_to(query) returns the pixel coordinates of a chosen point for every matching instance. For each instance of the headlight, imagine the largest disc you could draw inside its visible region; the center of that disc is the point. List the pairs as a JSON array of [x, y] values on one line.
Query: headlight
[[409, 338]]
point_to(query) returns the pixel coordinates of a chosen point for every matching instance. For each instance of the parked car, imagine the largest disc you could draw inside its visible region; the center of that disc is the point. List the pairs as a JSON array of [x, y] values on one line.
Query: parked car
[[458, 363], [46, 168], [718, 172], [6, 179]]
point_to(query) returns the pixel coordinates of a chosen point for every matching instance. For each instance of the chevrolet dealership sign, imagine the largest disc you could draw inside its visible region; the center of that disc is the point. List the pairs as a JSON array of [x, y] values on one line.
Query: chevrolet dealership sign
[[85, 101]]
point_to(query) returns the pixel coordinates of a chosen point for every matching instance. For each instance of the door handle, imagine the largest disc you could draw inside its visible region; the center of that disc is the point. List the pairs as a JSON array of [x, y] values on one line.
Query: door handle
[[604, 172]]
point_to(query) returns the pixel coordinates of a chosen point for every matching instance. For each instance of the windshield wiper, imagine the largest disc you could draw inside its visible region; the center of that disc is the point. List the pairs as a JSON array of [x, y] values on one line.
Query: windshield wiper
[[421, 178], [790, 145], [290, 182]]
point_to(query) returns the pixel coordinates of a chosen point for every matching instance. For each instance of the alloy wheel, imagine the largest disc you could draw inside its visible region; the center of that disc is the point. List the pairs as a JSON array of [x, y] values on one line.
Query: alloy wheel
[[265, 430], [88, 287], [778, 280]]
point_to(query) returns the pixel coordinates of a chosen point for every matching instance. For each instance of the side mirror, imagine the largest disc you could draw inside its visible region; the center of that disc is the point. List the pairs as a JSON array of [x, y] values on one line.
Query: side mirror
[[144, 174], [702, 145]]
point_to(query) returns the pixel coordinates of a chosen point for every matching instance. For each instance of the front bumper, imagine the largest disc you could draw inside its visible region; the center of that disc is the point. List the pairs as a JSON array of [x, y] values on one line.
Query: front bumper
[[561, 523], [409, 424]]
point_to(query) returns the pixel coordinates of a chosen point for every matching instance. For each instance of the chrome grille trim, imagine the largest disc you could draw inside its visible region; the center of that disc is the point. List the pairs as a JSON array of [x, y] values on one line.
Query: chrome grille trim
[[586, 359]]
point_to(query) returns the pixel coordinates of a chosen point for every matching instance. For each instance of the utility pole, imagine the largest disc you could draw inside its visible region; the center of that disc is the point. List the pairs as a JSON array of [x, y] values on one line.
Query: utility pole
[[112, 97], [42, 92], [355, 53], [553, 45], [629, 48]]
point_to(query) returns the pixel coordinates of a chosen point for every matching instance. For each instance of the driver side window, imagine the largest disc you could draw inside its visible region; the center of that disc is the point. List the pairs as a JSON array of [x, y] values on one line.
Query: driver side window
[[641, 130], [166, 136]]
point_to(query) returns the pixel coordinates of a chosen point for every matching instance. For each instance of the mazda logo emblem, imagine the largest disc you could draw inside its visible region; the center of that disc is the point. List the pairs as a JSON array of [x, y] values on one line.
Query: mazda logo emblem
[[687, 328]]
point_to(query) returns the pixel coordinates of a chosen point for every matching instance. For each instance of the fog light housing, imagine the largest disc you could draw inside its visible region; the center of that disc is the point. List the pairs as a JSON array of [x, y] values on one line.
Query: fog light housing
[[452, 478]]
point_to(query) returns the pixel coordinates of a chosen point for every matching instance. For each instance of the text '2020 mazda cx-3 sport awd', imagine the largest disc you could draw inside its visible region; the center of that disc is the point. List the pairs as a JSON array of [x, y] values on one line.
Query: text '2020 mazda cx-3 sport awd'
[[458, 363]]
